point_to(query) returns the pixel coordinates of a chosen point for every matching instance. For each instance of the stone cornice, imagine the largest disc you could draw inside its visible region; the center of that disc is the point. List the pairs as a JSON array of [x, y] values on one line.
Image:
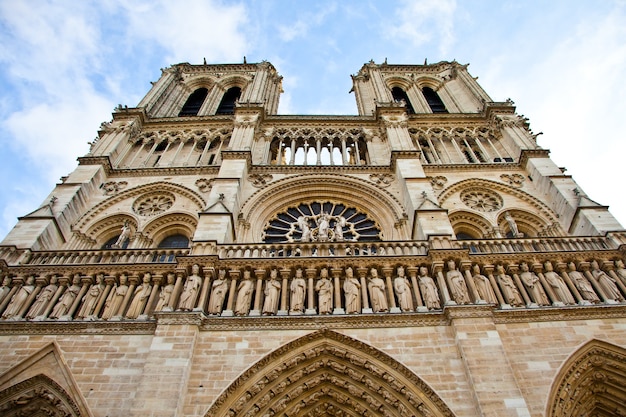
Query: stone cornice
[[77, 327]]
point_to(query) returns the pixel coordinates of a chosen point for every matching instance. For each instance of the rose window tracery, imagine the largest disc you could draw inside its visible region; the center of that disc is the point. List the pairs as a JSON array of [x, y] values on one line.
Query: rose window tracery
[[321, 222], [150, 205], [481, 199]]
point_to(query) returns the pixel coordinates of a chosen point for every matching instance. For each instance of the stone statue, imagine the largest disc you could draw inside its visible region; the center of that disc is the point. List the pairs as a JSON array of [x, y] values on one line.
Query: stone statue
[[339, 225], [457, 284], [191, 289], [352, 292], [533, 285], [620, 270], [19, 298], [272, 294], [298, 292], [124, 236], [303, 223], [429, 291], [90, 300], [6, 287], [559, 287], [140, 297], [403, 290], [512, 225], [115, 299], [219, 288], [324, 288], [67, 299], [244, 295], [376, 288], [483, 286], [323, 226], [507, 286], [606, 282], [166, 294], [44, 297], [583, 285]]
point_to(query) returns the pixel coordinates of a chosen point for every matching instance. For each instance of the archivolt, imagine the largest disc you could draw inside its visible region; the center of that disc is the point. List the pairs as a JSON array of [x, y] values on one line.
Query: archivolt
[[383, 207], [37, 396], [470, 223], [542, 210], [160, 186], [592, 382], [326, 373]]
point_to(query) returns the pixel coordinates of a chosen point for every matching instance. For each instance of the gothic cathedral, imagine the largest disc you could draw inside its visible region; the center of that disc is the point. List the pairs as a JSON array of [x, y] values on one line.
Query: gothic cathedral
[[209, 257]]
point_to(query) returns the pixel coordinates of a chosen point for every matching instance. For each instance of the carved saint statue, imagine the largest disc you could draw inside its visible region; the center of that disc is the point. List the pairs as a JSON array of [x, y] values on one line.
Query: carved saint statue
[[19, 298], [64, 304], [429, 291], [507, 286], [6, 288], [620, 270], [244, 295], [323, 224], [403, 290], [166, 294], [44, 297], [457, 284], [219, 287], [272, 294], [583, 285], [324, 288], [606, 282], [483, 286], [124, 236], [115, 299], [512, 225], [559, 287], [533, 285], [352, 291], [303, 223], [376, 288], [140, 297], [90, 300], [298, 291], [339, 225], [191, 289]]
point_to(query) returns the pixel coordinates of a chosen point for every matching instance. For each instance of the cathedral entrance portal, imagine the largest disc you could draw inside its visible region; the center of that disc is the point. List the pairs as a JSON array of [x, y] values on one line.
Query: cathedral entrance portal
[[328, 374]]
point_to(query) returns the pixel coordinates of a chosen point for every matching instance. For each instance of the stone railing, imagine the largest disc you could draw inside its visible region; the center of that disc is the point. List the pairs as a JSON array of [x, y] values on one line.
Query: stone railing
[[529, 245], [389, 248], [108, 256]]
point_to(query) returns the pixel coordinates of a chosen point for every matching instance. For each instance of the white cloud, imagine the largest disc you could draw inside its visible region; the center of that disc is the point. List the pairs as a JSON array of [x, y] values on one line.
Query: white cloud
[[419, 22], [301, 27]]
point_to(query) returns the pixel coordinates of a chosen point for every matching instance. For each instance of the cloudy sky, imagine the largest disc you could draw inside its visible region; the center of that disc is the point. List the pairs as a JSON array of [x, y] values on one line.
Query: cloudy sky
[[66, 64]]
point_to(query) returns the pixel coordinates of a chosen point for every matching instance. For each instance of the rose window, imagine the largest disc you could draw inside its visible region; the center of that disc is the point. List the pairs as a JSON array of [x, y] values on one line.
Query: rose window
[[481, 199], [153, 204], [321, 222]]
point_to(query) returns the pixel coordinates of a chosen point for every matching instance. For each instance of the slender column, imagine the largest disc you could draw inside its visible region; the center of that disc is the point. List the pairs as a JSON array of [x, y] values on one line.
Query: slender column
[[520, 286], [441, 282], [330, 151], [193, 146], [230, 305], [469, 280], [150, 152], [393, 307], [318, 148], [204, 151], [173, 301], [445, 149], [167, 147], [537, 268], [362, 273], [455, 145], [86, 281], [336, 273], [495, 150], [103, 297], [260, 275], [344, 155], [204, 291], [132, 161], [584, 266], [357, 156], [482, 148], [433, 151], [284, 290], [292, 159], [148, 310], [310, 274], [489, 271], [132, 283], [180, 147], [39, 283], [63, 282], [123, 154], [561, 267], [412, 270], [470, 151]]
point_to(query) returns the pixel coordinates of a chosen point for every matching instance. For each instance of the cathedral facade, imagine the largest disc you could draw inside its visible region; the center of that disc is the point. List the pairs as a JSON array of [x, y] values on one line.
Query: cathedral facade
[[209, 257]]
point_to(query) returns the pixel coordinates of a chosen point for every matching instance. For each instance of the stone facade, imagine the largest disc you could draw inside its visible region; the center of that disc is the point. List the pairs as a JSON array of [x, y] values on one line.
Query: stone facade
[[209, 257]]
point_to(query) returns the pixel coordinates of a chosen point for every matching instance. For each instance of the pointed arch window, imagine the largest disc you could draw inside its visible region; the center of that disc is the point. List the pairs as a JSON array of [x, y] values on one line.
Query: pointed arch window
[[227, 105], [400, 95], [174, 241], [433, 100], [194, 102]]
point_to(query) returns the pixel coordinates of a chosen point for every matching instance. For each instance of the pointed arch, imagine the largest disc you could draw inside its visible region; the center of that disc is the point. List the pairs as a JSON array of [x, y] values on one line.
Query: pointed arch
[[591, 382], [470, 224], [41, 385], [326, 371]]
